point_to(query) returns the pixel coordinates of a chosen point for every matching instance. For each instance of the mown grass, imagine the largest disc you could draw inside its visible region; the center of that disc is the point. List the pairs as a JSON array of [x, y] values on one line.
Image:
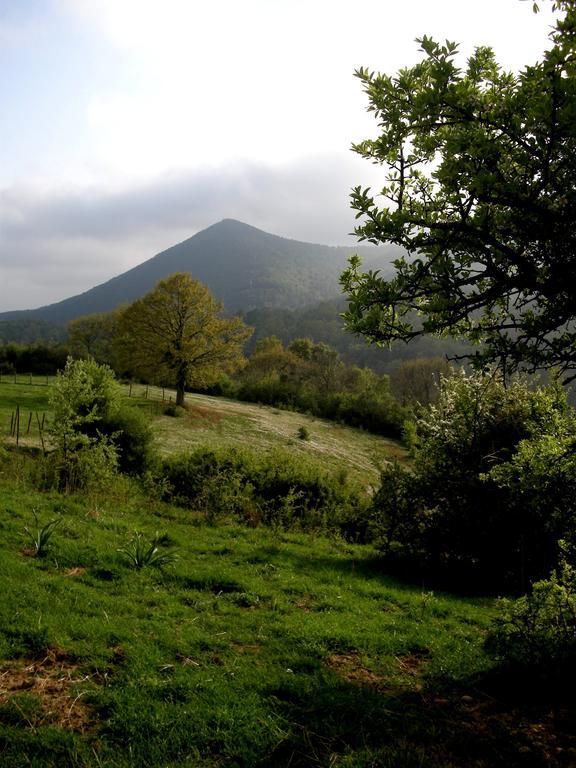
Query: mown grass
[[255, 648], [218, 422]]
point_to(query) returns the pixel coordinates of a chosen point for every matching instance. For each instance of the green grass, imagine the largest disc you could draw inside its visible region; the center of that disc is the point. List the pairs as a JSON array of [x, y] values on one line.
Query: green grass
[[31, 395], [254, 648]]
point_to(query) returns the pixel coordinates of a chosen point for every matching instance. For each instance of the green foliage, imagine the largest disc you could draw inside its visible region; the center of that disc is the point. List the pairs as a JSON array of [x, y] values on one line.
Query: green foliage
[[175, 335], [34, 358], [311, 377], [141, 553], [92, 336], [483, 502], [130, 433], [41, 534], [275, 489], [480, 192], [95, 434], [83, 395], [175, 411], [303, 433], [537, 632]]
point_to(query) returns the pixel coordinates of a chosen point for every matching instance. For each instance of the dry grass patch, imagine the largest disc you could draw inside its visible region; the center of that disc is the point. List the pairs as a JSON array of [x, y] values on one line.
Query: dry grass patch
[[52, 683], [349, 667]]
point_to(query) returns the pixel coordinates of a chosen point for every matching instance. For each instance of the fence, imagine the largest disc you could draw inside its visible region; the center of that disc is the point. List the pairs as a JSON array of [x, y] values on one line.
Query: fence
[[16, 423]]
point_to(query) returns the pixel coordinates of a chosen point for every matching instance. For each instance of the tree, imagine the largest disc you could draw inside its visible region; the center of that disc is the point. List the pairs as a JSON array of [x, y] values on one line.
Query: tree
[[418, 380], [93, 335], [174, 335], [481, 192]]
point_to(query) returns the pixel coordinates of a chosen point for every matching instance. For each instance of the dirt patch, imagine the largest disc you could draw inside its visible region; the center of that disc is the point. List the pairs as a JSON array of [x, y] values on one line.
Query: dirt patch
[[349, 667], [201, 413], [53, 681], [412, 663], [77, 571]]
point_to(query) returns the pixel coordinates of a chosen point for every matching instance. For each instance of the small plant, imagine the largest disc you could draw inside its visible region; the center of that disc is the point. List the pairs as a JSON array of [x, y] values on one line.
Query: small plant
[[174, 410], [41, 535], [303, 433], [141, 553]]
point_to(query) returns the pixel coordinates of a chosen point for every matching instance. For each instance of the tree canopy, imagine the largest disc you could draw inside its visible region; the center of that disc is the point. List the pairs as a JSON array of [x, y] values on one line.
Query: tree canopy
[[175, 335], [480, 191]]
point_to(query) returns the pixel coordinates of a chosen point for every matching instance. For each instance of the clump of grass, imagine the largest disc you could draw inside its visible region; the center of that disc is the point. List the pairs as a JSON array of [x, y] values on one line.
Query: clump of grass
[[141, 553], [174, 410], [303, 433], [41, 534]]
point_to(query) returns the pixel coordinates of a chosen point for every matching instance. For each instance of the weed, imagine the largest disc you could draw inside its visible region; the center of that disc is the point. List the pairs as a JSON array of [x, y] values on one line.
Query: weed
[[141, 553], [41, 534]]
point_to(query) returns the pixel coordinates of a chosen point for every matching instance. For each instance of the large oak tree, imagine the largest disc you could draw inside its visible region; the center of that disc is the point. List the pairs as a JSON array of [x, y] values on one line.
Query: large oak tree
[[480, 191], [175, 335]]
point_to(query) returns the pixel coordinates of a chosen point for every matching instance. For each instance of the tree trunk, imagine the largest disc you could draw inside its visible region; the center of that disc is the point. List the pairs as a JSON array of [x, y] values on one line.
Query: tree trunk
[[180, 387]]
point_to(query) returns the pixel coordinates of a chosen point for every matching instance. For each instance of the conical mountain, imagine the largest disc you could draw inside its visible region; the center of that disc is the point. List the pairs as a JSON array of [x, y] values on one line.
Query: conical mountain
[[243, 266]]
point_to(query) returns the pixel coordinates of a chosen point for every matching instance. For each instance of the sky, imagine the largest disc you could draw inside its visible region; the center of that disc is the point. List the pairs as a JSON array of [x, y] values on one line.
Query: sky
[[129, 125]]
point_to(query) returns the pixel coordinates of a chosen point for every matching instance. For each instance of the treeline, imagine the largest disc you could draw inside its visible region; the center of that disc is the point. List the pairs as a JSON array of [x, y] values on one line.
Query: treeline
[[304, 376], [311, 377], [321, 322], [39, 359]]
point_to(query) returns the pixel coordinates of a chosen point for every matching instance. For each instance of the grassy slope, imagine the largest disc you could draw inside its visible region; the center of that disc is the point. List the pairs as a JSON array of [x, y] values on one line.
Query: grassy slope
[[255, 648], [216, 421]]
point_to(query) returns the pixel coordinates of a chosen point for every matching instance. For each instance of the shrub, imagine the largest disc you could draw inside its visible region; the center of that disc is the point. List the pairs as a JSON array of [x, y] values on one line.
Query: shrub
[[95, 434], [492, 487], [130, 432], [303, 433], [83, 395], [537, 632], [276, 489], [176, 411]]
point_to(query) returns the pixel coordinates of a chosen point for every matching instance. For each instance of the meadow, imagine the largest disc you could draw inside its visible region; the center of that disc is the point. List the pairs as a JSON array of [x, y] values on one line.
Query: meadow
[[248, 646]]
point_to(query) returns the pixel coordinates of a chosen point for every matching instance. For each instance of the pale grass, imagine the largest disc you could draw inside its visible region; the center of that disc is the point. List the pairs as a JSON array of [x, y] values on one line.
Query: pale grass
[[219, 422]]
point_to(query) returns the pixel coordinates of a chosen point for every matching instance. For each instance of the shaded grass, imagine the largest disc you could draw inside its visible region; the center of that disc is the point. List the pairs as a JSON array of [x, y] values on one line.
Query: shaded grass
[[256, 648]]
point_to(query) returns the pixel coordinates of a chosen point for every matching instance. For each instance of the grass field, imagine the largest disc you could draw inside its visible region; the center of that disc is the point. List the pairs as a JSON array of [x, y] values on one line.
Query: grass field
[[253, 648], [216, 421]]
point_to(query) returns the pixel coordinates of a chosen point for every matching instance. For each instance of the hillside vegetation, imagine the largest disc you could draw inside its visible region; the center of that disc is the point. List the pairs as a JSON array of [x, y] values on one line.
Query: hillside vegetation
[[209, 608]]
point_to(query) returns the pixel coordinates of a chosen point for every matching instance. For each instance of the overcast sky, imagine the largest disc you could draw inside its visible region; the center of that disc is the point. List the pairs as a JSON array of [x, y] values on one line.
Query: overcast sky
[[129, 125]]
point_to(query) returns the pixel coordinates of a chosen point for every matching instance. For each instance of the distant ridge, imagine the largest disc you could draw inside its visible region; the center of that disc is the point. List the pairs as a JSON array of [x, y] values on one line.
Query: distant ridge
[[243, 266]]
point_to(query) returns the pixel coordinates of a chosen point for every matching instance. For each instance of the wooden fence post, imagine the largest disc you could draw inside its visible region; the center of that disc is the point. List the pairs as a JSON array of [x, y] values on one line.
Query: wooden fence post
[[40, 431]]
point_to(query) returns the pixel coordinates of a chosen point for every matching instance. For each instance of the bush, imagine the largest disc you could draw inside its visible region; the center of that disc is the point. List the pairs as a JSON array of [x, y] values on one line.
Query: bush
[[130, 432], [537, 632], [276, 489], [176, 411], [95, 434], [303, 433], [82, 397], [492, 487]]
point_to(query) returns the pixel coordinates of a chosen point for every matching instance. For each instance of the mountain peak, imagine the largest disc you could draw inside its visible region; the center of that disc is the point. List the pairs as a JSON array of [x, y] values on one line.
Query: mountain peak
[[243, 266]]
